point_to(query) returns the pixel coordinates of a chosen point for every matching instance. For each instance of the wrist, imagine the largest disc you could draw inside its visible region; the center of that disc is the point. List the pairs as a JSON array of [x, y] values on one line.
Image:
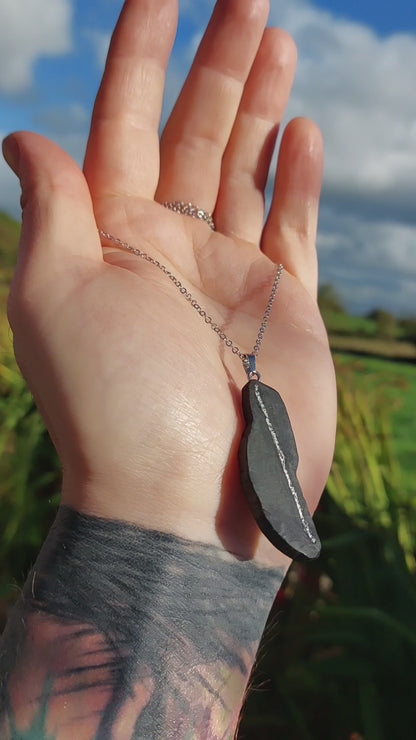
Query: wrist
[[215, 513], [173, 623], [154, 500]]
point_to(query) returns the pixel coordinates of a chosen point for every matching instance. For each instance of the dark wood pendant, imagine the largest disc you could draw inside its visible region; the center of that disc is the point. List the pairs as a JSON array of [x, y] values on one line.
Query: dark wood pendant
[[268, 461]]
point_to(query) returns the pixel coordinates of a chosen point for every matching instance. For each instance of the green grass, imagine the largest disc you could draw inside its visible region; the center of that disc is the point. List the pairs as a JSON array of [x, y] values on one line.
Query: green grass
[[29, 469], [9, 239], [390, 349], [338, 322], [394, 384]]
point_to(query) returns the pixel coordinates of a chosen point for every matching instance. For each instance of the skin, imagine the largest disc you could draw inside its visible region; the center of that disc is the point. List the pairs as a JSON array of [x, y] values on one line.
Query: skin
[[141, 399], [150, 641]]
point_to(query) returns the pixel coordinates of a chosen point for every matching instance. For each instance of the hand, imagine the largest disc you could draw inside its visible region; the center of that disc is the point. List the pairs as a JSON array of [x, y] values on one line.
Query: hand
[[140, 397]]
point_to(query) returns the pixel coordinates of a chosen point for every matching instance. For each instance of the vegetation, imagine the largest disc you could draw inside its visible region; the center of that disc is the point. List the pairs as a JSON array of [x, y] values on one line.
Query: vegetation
[[9, 237], [339, 655], [329, 300], [378, 324], [29, 483], [342, 323], [408, 328], [387, 326], [391, 386]]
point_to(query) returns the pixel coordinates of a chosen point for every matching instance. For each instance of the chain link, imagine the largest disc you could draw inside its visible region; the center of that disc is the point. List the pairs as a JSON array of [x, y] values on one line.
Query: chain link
[[263, 325], [189, 209], [194, 303]]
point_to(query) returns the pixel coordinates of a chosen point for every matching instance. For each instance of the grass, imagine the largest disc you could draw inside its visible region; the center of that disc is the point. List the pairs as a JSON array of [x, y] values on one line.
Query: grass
[[392, 384], [29, 482], [385, 348], [9, 239], [367, 336], [338, 322]]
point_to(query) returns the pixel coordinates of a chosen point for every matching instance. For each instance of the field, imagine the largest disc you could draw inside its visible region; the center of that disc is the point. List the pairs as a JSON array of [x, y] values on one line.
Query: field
[[393, 384], [341, 323], [9, 236]]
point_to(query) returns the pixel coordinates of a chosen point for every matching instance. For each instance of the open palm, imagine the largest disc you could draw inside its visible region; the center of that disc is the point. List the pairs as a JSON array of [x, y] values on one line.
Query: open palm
[[141, 398]]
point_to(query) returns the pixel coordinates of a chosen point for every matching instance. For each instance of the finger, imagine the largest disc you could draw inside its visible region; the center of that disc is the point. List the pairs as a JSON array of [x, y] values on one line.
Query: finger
[[53, 243], [290, 231], [240, 207], [122, 156], [198, 129]]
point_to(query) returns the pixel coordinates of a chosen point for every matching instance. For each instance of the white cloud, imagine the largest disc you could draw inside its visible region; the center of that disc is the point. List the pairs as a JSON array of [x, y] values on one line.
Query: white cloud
[[63, 119], [9, 187], [100, 41], [74, 143], [30, 29], [371, 262], [360, 89]]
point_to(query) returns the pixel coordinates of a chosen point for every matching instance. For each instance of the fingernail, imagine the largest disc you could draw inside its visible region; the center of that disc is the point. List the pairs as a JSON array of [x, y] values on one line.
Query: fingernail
[[11, 153]]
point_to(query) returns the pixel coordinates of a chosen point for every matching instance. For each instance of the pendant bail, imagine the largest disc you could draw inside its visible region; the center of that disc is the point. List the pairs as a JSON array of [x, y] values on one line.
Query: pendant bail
[[249, 363]]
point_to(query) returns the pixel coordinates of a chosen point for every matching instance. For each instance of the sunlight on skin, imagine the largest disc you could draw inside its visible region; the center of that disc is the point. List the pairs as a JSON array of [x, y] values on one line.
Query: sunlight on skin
[[215, 709], [83, 709], [77, 657], [132, 708], [53, 651]]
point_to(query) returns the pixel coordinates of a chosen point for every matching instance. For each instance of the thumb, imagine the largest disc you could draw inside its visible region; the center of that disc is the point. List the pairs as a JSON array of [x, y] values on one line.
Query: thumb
[[57, 215], [59, 243]]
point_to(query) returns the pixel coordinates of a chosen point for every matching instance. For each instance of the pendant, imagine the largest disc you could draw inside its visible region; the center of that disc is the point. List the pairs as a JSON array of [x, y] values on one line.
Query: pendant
[[268, 461]]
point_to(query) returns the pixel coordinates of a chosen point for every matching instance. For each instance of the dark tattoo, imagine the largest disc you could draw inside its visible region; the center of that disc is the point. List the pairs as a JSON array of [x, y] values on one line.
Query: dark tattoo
[[123, 632]]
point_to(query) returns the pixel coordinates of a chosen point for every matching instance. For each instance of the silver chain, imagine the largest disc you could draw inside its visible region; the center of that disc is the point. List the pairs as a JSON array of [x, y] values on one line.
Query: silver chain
[[194, 303], [189, 209]]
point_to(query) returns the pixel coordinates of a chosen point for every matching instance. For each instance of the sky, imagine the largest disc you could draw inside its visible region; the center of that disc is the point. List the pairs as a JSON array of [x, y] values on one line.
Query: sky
[[356, 78]]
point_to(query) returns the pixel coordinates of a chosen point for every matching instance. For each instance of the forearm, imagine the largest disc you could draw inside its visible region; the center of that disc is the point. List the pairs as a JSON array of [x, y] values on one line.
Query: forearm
[[123, 632]]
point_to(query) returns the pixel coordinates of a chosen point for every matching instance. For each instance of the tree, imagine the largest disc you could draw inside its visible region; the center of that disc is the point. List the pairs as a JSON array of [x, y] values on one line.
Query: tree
[[387, 326], [328, 299]]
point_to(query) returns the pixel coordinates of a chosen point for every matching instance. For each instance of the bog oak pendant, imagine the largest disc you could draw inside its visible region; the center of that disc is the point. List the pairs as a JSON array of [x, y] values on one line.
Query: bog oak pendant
[[268, 461]]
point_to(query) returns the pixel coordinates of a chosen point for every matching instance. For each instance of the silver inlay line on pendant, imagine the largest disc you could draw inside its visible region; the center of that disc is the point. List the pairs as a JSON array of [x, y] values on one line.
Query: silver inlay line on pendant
[[283, 463]]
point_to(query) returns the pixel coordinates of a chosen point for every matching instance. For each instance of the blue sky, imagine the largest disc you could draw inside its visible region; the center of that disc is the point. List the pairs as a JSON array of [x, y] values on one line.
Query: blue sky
[[356, 77]]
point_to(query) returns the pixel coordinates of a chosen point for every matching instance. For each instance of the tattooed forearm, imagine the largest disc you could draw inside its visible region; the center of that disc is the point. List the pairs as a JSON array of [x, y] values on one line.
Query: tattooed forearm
[[123, 632]]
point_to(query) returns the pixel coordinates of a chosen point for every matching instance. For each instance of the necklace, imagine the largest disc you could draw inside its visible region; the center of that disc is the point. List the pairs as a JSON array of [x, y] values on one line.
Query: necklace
[[267, 455]]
